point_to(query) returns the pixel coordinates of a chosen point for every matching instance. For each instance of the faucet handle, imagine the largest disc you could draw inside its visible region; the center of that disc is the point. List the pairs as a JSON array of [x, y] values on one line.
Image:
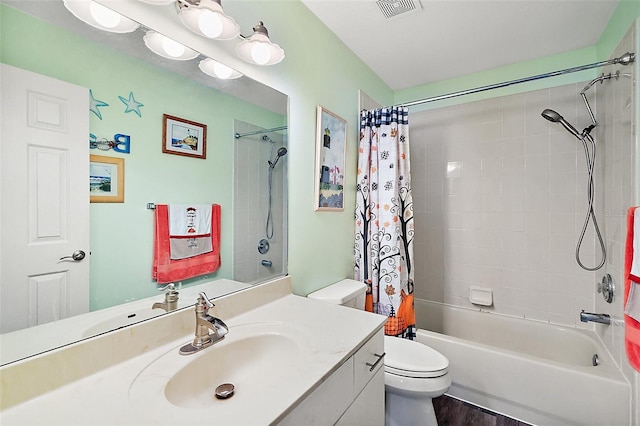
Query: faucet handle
[[203, 302], [171, 287]]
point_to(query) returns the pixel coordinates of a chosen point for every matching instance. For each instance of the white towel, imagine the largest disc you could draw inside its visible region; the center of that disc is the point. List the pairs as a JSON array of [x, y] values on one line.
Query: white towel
[[634, 274], [189, 220], [632, 307]]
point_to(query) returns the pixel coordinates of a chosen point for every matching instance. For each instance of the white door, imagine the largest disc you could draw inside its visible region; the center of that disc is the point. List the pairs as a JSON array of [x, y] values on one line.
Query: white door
[[44, 199]]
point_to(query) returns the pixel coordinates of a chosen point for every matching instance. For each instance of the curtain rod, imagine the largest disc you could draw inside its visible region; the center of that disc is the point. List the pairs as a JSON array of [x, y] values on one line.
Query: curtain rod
[[625, 59], [275, 129]]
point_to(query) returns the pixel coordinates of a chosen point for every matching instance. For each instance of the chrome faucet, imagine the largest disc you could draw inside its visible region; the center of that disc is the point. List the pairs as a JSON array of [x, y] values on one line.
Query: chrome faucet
[[601, 318], [170, 299], [209, 329]]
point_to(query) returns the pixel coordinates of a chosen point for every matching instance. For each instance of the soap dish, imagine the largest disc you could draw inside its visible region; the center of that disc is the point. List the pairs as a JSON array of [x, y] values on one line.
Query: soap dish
[[481, 296]]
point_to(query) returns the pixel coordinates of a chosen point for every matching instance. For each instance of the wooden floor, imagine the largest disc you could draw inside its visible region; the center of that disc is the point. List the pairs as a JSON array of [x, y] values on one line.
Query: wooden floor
[[453, 412]]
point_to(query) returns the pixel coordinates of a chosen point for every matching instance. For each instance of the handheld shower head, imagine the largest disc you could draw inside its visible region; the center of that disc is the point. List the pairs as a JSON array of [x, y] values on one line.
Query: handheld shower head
[[551, 115], [282, 151], [554, 117]]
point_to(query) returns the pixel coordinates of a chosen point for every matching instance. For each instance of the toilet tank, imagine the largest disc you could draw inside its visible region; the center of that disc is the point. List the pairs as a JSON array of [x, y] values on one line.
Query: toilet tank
[[347, 292]]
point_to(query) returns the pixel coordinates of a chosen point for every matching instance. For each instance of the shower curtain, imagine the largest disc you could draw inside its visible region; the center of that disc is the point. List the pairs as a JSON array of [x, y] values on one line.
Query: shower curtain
[[384, 218]]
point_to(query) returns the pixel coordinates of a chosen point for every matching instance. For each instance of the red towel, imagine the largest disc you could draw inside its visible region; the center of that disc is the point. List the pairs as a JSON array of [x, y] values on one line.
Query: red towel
[[166, 270], [632, 327]]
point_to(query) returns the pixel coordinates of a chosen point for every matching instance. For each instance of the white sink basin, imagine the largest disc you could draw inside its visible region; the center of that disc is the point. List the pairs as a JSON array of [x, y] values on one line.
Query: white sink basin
[[252, 357]]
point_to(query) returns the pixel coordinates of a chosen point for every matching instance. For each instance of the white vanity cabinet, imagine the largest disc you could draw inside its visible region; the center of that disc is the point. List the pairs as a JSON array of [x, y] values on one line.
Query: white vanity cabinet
[[352, 395]]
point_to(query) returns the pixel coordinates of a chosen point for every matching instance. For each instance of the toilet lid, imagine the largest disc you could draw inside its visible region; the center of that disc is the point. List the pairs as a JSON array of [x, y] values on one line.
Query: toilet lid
[[413, 359]]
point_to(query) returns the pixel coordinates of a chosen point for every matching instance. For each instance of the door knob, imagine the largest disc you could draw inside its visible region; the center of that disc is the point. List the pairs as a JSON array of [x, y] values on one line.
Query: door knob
[[77, 255]]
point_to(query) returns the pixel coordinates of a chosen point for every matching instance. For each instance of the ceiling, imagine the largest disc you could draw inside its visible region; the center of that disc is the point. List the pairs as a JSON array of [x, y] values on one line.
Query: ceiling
[[443, 39]]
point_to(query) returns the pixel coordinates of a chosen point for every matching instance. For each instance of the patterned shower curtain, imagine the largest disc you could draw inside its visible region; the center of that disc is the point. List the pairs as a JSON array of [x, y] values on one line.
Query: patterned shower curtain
[[384, 218]]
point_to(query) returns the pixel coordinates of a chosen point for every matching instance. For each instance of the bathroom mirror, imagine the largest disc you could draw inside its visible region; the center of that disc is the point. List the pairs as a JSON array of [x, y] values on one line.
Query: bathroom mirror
[[45, 38]]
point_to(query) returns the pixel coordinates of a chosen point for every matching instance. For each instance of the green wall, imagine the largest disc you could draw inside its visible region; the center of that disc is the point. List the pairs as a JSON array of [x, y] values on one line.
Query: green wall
[[122, 234]]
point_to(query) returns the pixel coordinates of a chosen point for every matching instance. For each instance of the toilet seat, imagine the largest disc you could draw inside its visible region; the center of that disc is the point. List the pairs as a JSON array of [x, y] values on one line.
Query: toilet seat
[[407, 358]]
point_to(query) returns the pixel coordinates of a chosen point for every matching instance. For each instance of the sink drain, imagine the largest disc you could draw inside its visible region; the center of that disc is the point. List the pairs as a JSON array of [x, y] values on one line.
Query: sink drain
[[225, 391]]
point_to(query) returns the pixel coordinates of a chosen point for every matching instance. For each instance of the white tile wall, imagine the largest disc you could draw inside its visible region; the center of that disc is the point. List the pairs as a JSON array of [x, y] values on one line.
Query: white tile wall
[[500, 197]]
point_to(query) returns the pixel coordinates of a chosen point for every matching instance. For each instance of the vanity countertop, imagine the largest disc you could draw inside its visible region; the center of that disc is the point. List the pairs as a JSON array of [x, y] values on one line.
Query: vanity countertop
[[22, 343], [331, 334]]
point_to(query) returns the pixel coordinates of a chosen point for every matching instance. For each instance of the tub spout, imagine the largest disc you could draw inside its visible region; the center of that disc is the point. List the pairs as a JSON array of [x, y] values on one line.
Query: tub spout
[[601, 318]]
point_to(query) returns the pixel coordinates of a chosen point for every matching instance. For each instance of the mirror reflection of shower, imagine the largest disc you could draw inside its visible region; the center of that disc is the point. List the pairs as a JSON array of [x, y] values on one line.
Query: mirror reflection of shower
[[261, 196], [282, 151], [589, 145]]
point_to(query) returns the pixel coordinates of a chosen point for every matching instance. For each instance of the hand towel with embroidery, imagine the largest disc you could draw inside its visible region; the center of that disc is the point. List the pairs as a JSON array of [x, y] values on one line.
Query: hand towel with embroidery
[[189, 230]]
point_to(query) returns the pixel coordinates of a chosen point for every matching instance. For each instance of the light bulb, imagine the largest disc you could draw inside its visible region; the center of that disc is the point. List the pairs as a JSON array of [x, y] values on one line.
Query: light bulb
[[210, 23], [222, 71], [103, 15], [260, 53], [172, 48], [218, 70]]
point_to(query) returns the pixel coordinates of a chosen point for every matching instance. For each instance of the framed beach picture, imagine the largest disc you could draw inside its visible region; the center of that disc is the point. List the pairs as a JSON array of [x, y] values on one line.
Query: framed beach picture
[[106, 179], [183, 137], [331, 134]]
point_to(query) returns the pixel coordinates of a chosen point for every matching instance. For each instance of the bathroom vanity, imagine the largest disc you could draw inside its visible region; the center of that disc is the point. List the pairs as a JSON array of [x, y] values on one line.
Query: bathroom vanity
[[292, 361]]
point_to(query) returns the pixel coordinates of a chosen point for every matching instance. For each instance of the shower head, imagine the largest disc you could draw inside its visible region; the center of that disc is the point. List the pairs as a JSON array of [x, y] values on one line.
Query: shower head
[[266, 138], [282, 151], [554, 117]]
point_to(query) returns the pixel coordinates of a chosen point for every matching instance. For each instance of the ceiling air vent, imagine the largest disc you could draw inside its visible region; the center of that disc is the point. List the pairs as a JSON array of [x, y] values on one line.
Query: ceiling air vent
[[395, 8]]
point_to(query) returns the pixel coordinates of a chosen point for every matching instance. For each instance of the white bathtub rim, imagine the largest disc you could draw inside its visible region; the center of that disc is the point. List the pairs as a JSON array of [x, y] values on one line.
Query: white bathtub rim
[[607, 360], [607, 369]]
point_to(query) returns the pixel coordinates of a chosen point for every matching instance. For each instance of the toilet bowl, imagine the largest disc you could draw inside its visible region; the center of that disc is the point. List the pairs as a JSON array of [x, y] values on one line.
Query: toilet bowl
[[413, 373]]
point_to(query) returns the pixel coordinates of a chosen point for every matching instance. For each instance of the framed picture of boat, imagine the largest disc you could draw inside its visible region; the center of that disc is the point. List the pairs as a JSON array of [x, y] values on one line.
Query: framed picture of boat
[[331, 132], [183, 137]]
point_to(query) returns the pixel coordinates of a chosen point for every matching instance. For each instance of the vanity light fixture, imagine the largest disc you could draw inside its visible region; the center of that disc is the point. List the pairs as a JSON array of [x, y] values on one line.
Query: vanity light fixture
[[206, 18], [218, 70], [258, 48], [99, 16], [168, 48]]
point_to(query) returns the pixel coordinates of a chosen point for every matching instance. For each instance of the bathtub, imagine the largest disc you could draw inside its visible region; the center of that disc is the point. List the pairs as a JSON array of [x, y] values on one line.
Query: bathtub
[[532, 371]]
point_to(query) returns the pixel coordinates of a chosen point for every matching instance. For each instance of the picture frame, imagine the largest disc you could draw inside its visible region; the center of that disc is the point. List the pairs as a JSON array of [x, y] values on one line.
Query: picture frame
[[331, 133], [106, 179], [183, 137]]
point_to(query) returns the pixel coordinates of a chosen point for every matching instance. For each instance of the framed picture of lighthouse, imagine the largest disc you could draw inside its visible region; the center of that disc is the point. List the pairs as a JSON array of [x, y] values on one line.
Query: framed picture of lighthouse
[[183, 137], [331, 134]]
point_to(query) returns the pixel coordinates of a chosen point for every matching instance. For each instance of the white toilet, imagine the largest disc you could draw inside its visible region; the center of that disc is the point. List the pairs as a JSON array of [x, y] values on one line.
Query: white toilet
[[413, 373]]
